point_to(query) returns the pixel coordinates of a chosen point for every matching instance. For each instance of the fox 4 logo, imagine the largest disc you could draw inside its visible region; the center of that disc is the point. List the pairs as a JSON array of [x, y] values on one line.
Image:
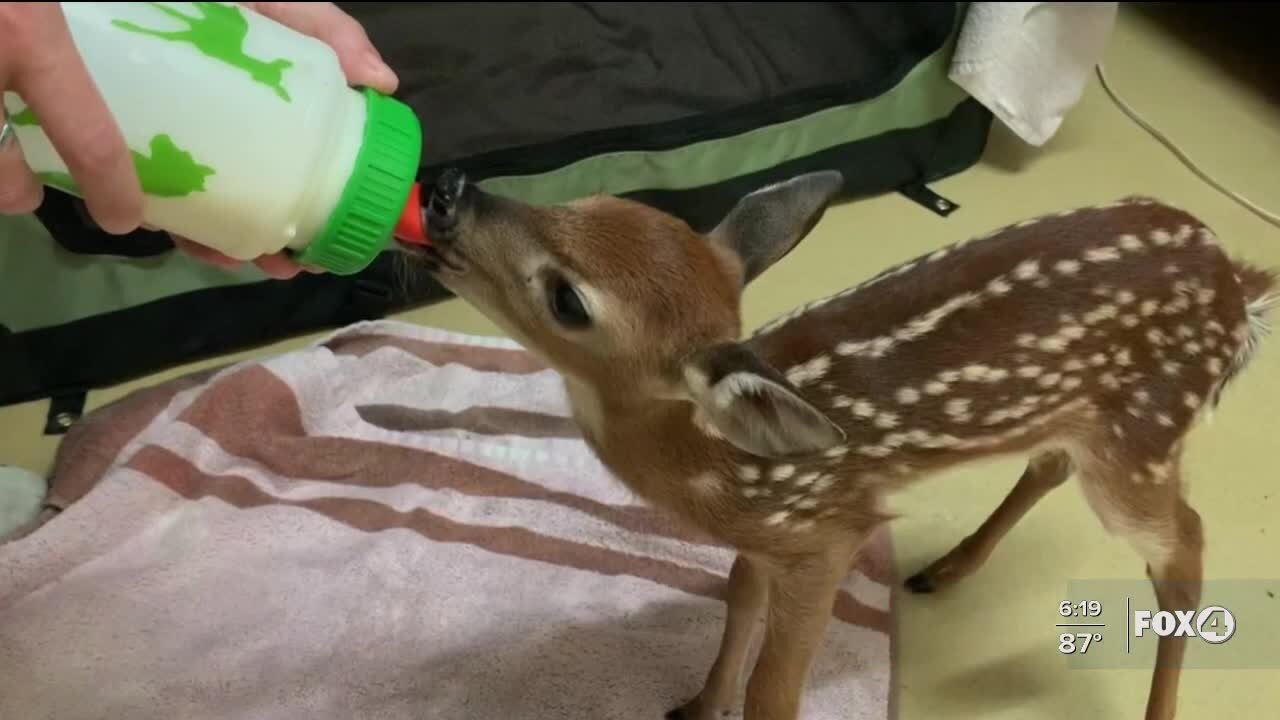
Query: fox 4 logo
[[1214, 624]]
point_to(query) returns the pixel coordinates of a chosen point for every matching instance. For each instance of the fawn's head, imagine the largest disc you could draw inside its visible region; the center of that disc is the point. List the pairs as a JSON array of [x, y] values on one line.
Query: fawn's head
[[632, 302]]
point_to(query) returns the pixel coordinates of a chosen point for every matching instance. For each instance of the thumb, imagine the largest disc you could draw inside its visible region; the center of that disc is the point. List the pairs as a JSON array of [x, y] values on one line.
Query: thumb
[[360, 60]]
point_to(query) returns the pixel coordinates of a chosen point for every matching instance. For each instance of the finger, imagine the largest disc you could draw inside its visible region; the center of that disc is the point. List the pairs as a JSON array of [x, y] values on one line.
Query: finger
[[278, 266], [56, 86], [20, 192], [360, 60], [205, 254]]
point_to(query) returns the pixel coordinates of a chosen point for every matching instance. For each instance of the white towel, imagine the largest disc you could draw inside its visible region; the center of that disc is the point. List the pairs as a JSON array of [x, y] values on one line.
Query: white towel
[[1028, 62], [394, 523]]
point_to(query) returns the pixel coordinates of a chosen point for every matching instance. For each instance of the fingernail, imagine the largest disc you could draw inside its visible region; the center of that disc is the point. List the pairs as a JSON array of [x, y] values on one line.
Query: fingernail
[[386, 76]]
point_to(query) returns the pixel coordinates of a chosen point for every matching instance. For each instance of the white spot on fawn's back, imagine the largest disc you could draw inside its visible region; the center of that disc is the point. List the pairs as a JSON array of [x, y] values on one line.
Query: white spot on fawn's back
[[847, 348], [1102, 254], [782, 472], [926, 323], [999, 286], [1100, 313], [983, 373], [777, 518], [809, 372], [1027, 270], [1053, 343]]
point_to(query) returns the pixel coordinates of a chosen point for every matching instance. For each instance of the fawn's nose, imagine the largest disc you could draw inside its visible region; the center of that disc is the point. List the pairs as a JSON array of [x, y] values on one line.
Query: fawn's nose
[[442, 206]]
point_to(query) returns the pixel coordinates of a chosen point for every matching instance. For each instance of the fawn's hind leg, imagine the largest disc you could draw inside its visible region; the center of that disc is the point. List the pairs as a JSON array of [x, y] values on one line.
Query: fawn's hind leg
[[1044, 472], [1146, 507]]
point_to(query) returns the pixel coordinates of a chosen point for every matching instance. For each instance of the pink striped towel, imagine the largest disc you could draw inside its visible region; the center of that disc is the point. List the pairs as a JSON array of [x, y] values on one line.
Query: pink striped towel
[[393, 522]]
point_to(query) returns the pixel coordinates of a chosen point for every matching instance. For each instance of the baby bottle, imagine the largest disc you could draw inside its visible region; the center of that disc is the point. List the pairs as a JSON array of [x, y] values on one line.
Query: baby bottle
[[245, 134]]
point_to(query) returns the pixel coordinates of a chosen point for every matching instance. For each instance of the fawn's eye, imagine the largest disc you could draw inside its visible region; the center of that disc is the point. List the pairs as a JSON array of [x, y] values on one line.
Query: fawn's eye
[[565, 304]]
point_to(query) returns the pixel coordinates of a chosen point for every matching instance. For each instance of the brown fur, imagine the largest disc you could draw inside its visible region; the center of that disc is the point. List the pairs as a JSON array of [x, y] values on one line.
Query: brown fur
[[1090, 340]]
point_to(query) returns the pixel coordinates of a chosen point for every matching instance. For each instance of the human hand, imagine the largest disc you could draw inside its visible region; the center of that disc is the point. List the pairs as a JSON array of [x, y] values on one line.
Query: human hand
[[39, 61]]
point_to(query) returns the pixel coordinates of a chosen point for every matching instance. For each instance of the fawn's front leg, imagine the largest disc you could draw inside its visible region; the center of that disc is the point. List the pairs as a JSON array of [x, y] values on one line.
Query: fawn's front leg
[[801, 596], [748, 590]]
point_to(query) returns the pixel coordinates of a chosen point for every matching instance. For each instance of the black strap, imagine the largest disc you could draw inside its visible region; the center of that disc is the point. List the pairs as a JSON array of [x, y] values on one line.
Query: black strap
[[922, 195], [64, 410]]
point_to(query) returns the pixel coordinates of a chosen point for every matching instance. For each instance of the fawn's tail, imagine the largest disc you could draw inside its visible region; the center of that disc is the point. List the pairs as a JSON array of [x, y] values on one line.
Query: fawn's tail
[[1261, 295]]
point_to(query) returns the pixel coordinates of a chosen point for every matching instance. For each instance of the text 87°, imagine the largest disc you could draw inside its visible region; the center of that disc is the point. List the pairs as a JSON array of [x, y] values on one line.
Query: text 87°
[[1077, 643]]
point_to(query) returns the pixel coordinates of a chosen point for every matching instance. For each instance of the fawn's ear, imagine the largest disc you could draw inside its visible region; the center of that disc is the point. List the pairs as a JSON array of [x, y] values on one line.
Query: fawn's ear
[[749, 403], [765, 225]]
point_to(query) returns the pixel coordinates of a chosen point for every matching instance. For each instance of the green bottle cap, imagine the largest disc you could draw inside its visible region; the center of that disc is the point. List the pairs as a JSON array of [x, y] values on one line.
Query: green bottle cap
[[385, 169]]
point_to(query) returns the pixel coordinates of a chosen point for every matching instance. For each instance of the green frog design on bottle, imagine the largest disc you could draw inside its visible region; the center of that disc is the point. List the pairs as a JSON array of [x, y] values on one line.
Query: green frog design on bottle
[[219, 32]]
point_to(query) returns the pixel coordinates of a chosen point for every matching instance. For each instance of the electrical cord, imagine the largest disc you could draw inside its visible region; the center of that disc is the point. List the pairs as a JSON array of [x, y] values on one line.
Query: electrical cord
[[1248, 204]]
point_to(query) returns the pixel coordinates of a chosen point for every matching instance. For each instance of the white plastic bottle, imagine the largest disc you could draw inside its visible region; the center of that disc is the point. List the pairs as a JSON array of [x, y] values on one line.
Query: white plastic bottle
[[245, 134]]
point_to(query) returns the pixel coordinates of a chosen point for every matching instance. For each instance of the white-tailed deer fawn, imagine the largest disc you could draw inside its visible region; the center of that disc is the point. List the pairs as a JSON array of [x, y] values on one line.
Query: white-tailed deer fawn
[[1090, 341]]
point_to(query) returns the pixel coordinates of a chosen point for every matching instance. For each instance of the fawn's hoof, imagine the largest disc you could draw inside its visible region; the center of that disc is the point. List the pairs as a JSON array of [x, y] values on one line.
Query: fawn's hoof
[[920, 583]]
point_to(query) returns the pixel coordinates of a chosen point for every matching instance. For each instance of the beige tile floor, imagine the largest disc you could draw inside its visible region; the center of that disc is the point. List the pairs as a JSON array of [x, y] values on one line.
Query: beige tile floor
[[987, 648]]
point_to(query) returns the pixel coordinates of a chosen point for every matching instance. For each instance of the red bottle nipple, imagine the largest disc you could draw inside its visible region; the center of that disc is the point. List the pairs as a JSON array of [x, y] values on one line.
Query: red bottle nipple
[[410, 228]]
